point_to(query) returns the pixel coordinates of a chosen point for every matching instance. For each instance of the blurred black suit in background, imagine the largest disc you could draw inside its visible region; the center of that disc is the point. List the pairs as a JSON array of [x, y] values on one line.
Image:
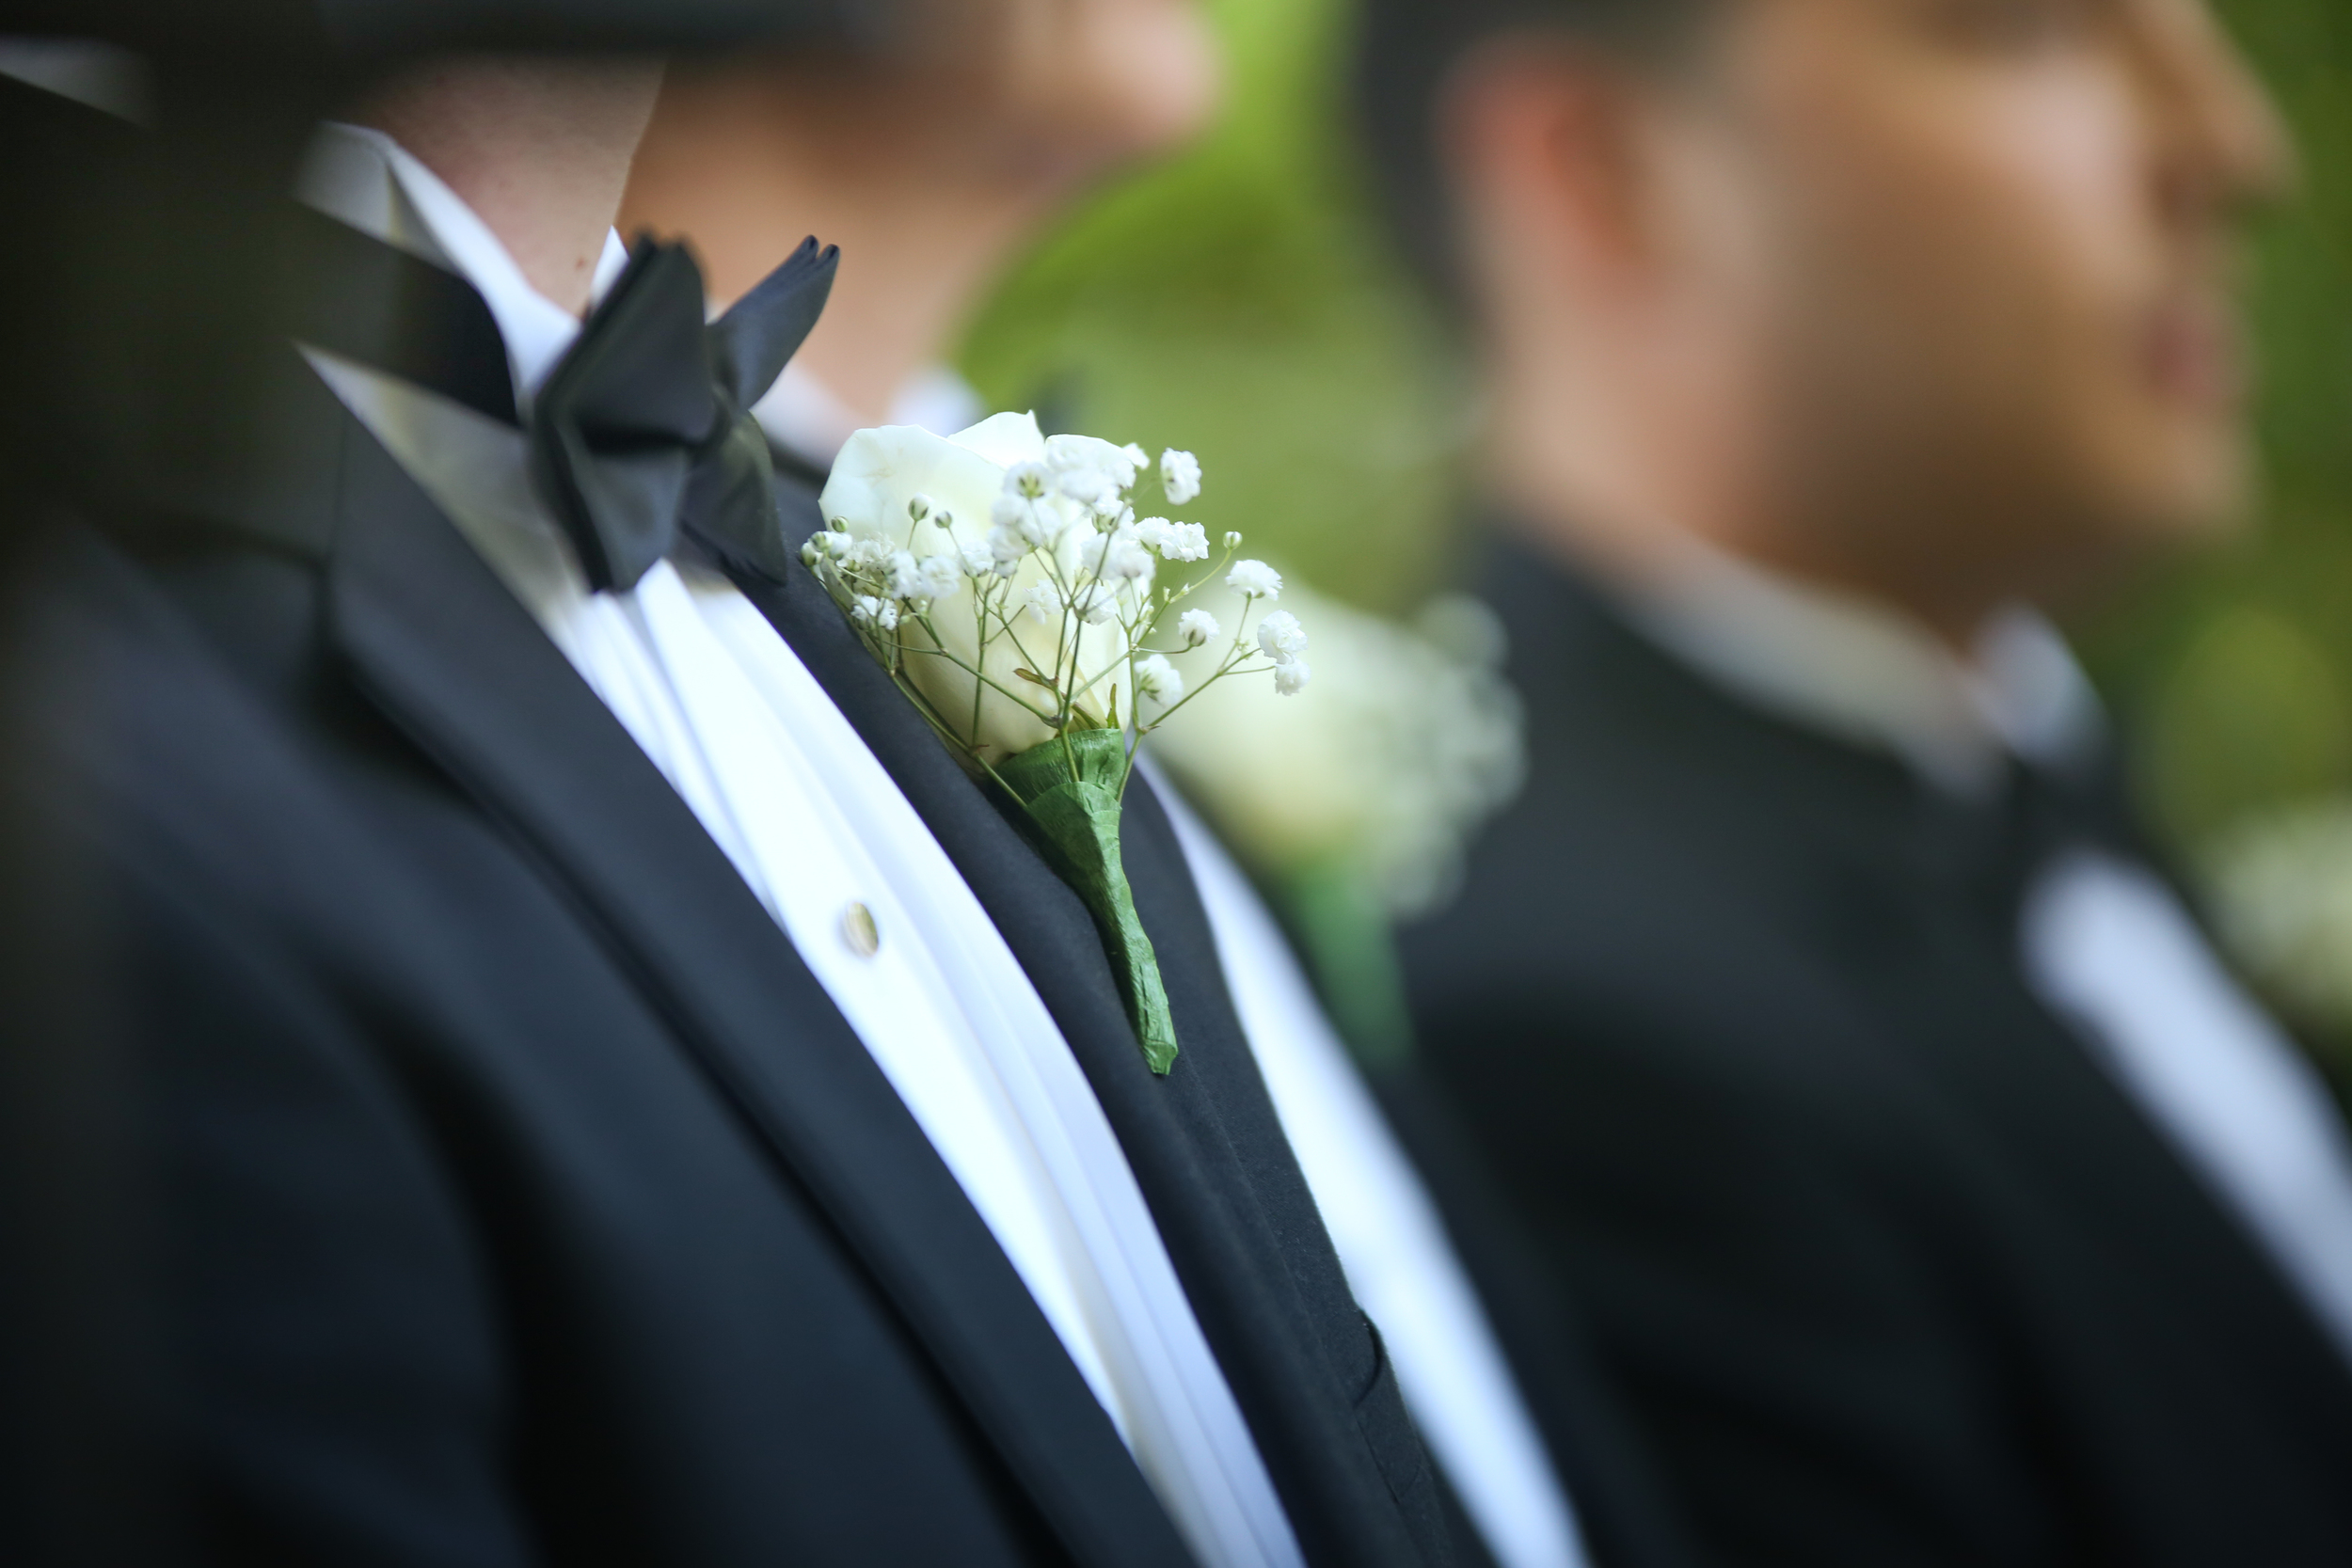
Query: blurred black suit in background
[[1891, 1271]]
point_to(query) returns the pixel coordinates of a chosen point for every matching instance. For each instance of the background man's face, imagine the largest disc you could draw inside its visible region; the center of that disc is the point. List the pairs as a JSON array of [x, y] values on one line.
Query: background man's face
[[1083, 84], [1990, 244]]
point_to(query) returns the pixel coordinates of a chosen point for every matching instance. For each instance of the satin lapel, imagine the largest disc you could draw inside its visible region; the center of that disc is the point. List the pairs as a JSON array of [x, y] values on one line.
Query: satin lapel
[[459, 665], [1204, 1144]]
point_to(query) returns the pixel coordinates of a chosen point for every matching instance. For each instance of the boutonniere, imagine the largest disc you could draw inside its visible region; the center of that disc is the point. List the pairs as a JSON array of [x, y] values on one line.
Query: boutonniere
[[1005, 584]]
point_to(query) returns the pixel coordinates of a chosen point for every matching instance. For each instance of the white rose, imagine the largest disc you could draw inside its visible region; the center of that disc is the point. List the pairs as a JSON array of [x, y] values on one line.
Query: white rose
[[961, 476]]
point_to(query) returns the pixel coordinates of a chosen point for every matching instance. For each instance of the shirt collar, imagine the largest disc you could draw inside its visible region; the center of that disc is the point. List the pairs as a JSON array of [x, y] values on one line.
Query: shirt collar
[[368, 181], [1869, 674]]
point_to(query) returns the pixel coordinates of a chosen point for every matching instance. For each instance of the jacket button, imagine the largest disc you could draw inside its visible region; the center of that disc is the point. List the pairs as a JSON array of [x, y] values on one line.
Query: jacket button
[[859, 930]]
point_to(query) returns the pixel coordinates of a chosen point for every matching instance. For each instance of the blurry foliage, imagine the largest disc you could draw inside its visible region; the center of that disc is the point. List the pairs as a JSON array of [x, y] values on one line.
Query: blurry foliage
[[1241, 301], [2234, 669]]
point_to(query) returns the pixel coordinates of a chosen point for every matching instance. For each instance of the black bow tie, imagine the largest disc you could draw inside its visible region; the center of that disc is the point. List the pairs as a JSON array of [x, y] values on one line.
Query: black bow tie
[[642, 432]]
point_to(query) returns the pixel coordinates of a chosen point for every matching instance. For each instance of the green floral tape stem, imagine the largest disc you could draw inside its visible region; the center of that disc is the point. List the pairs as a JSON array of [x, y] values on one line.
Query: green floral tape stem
[[1070, 788]]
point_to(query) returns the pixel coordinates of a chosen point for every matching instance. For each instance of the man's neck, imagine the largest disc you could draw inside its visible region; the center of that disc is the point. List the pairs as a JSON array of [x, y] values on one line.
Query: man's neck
[[1637, 500], [540, 150]]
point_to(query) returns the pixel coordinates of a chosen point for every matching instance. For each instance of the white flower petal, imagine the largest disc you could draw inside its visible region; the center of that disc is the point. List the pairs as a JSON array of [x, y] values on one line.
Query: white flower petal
[[1254, 579]]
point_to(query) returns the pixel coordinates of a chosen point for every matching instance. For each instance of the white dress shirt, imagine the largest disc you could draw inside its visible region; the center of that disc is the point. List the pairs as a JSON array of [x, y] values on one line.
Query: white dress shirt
[[1390, 1240], [819, 832], [2102, 942]]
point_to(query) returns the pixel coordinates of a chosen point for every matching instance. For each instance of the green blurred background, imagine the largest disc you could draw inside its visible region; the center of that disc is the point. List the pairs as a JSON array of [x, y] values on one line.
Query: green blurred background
[[1240, 301]]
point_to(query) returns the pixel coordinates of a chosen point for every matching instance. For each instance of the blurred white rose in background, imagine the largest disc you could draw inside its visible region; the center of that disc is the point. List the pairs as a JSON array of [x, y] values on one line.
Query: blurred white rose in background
[[1411, 741]]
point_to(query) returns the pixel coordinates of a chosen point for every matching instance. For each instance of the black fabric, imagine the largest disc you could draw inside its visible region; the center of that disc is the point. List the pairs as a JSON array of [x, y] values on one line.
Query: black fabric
[[1626, 1515], [1889, 1271], [641, 431], [530, 1200], [1220, 1179]]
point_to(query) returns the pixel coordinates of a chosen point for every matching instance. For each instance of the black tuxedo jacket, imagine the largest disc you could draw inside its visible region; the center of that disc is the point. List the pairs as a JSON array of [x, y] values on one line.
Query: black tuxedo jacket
[[527, 1197], [1889, 1270]]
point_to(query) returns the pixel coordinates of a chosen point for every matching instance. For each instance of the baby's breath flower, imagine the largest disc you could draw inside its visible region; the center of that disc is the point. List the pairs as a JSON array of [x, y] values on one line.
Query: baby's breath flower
[[1254, 579], [978, 560], [906, 577], [1174, 541], [1116, 557], [1291, 679], [1006, 546], [1091, 488], [879, 613], [1180, 476], [1043, 603], [1137, 458], [1158, 681], [1196, 627], [1026, 505], [938, 576], [1282, 637], [1096, 602]]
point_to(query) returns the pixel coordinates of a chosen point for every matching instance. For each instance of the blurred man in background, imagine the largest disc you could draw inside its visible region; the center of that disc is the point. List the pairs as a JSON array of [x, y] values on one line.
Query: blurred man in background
[[1939, 1196], [932, 168]]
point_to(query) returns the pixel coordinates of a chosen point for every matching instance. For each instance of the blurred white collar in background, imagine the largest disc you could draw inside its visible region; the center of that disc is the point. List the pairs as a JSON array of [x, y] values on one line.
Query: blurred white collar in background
[[1870, 675]]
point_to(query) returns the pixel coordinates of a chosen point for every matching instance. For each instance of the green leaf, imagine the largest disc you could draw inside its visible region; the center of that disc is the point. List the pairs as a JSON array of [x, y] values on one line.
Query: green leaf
[[1069, 789]]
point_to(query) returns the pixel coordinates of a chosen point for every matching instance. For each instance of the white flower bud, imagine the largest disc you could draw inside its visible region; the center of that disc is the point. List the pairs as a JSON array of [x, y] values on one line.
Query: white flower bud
[[918, 507], [1196, 627], [1254, 579], [1180, 476], [1291, 679], [810, 554], [1232, 541]]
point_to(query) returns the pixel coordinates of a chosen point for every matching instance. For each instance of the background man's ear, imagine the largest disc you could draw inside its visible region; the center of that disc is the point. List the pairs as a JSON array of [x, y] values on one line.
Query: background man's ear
[[1546, 145]]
